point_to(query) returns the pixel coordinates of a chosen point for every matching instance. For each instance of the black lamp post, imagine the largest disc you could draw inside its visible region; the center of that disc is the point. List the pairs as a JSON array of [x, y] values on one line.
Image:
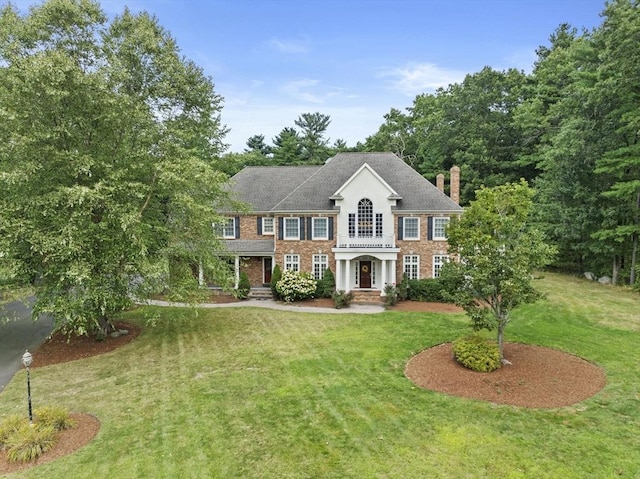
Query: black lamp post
[[27, 359]]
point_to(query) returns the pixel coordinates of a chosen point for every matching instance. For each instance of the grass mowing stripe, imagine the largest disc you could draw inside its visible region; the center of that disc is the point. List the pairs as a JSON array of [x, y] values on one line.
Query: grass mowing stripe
[[253, 393]]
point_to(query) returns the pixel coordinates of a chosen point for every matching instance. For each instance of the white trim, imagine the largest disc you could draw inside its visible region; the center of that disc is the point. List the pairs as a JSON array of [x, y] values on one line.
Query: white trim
[[284, 227], [438, 262], [291, 262], [355, 175], [445, 221], [313, 228], [225, 226], [319, 260], [413, 262], [404, 228], [271, 219]]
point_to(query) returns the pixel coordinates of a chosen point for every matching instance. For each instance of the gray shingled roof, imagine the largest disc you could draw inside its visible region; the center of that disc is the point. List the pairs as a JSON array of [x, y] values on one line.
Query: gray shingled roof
[[263, 187], [308, 188], [250, 246]]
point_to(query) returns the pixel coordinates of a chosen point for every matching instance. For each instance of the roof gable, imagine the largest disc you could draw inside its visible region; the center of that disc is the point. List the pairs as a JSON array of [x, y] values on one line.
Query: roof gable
[[368, 168]]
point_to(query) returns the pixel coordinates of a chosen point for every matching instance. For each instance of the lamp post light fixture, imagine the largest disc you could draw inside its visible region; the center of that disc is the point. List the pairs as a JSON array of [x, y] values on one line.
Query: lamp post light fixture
[[27, 359]]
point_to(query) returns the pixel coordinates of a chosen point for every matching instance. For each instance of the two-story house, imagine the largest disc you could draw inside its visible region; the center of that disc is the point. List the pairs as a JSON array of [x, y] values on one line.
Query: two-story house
[[369, 217]]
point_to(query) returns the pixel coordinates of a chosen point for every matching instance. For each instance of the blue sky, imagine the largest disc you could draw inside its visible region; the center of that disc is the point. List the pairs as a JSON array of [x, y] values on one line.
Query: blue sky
[[353, 60]]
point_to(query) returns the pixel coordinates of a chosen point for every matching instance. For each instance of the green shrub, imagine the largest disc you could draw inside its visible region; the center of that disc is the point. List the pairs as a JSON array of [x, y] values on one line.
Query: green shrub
[[477, 353], [244, 286], [403, 288], [276, 275], [391, 295], [342, 299], [29, 442], [9, 425], [56, 417], [326, 285], [429, 289], [295, 286]]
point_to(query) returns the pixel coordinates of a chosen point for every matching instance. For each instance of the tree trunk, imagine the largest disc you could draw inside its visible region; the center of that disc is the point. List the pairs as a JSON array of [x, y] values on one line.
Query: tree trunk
[[501, 326], [615, 270], [105, 327]]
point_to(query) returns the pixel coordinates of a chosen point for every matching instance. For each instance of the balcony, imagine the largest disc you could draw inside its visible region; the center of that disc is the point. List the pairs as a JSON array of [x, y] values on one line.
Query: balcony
[[379, 242]]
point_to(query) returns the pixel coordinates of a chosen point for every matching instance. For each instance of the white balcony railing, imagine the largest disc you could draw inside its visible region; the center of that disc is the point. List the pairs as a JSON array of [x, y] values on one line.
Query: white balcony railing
[[384, 241]]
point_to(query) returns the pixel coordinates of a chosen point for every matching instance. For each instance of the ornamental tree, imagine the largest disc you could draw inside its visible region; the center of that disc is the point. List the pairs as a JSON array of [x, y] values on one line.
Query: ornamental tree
[[498, 252], [108, 141]]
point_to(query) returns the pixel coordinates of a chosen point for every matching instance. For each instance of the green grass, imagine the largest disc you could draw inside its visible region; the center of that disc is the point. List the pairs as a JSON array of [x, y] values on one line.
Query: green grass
[[253, 393]]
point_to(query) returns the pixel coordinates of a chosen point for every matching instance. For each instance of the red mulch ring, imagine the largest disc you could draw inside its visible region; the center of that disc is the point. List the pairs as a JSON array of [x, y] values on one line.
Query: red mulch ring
[[69, 441], [537, 377], [60, 348]]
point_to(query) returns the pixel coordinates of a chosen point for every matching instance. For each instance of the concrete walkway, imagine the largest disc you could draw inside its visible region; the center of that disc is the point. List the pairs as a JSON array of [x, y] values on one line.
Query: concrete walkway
[[271, 304]]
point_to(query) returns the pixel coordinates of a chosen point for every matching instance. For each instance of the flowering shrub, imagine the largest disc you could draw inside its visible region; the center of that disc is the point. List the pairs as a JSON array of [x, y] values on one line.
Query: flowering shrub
[[295, 286]]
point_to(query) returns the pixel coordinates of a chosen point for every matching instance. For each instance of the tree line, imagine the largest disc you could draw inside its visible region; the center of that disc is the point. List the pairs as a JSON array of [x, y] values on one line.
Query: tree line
[[571, 128], [113, 164]]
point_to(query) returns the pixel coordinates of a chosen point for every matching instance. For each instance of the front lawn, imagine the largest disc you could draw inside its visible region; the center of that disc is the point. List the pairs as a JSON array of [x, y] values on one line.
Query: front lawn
[[257, 393]]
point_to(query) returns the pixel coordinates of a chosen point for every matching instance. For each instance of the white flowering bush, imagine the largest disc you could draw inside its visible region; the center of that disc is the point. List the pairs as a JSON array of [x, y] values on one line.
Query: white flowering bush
[[295, 286]]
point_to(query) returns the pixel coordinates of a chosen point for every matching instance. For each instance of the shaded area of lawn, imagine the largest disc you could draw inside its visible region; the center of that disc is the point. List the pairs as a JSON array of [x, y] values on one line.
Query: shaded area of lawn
[[258, 393]]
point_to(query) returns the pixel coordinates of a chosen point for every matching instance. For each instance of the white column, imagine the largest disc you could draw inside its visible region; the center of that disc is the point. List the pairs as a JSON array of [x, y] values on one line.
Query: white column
[[339, 280], [383, 276], [237, 271], [347, 274], [393, 277]]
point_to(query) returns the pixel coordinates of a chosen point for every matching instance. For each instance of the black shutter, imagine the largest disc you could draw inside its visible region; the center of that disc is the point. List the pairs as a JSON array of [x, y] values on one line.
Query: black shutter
[[400, 227], [237, 227], [430, 228], [331, 228], [302, 227], [259, 225], [280, 228]]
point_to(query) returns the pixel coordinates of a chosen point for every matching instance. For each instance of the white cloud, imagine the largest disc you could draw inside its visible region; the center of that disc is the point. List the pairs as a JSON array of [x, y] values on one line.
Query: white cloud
[[288, 46], [300, 90], [416, 78]]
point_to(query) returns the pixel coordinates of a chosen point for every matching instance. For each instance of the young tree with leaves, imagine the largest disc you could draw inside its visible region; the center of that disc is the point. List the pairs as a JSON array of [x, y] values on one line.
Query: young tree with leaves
[[498, 253], [108, 138]]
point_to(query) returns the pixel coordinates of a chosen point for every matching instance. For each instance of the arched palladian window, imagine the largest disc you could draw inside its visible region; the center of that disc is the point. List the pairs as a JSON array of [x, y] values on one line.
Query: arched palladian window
[[365, 218], [364, 224]]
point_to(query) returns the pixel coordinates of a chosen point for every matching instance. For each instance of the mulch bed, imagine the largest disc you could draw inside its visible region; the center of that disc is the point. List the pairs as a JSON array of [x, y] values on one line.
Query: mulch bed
[[537, 377]]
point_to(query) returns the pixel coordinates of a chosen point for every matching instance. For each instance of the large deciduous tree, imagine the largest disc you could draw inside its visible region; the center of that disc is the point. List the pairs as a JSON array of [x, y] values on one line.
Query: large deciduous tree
[[108, 138], [498, 253]]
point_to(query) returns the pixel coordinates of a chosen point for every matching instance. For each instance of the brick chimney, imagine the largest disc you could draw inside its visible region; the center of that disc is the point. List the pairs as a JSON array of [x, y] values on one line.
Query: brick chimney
[[454, 191], [440, 182]]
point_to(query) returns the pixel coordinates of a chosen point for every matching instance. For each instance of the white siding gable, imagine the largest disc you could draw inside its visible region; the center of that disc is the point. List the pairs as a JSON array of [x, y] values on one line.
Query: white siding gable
[[365, 183]]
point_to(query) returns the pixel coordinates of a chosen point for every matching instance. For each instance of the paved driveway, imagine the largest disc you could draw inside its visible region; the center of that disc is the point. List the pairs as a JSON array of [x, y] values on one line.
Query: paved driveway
[[17, 333]]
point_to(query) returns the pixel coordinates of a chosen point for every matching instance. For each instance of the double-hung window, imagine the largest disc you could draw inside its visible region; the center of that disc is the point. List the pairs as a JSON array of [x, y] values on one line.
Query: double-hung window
[[438, 261], [267, 225], [411, 228], [439, 228], [291, 228], [320, 229], [320, 264], [412, 266], [291, 262], [229, 228]]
